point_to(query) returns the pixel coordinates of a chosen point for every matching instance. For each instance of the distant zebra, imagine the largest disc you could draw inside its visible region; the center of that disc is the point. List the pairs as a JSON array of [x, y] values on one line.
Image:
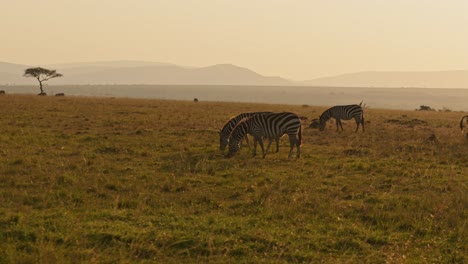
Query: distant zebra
[[225, 132], [345, 112], [462, 127], [461, 122], [268, 125]]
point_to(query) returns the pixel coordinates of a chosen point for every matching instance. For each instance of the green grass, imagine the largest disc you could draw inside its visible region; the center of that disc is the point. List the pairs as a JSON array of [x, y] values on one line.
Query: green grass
[[105, 180]]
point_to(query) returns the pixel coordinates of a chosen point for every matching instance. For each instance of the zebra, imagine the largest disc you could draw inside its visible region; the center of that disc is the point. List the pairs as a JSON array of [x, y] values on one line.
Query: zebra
[[462, 127], [461, 122], [271, 126], [225, 132], [345, 112]]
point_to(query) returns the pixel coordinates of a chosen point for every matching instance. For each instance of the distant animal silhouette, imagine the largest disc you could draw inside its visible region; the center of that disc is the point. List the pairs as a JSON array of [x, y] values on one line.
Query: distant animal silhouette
[[315, 123], [463, 127]]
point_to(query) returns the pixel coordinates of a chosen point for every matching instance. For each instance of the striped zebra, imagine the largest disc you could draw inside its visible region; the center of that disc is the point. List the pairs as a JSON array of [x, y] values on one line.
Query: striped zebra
[[345, 112], [225, 132], [268, 125]]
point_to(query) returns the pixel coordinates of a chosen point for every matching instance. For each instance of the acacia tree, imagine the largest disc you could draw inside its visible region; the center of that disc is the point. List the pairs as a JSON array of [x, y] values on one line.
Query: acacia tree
[[41, 75]]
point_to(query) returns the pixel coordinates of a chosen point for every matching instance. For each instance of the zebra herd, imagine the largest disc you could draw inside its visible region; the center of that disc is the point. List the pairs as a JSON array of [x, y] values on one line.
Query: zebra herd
[[273, 126]]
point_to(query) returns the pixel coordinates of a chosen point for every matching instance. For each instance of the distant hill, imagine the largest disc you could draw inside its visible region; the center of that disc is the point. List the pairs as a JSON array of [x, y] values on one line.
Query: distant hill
[[144, 72], [108, 64], [432, 79], [137, 72], [12, 68], [223, 74]]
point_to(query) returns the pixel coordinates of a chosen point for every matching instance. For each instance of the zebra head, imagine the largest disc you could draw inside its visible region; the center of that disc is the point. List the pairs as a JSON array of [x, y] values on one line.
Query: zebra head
[[239, 132], [233, 149], [323, 122], [223, 140], [234, 146], [324, 118]]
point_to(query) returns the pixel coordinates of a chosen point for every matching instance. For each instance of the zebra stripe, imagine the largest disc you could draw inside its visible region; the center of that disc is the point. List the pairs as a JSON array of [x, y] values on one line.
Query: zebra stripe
[[345, 112], [271, 126], [225, 132]]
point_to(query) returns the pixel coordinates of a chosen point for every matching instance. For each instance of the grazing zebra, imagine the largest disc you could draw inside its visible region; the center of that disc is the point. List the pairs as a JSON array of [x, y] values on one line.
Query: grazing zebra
[[345, 112], [225, 132], [271, 126]]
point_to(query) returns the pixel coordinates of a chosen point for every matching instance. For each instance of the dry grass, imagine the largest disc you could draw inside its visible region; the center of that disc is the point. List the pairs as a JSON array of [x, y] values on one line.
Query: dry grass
[[126, 180]]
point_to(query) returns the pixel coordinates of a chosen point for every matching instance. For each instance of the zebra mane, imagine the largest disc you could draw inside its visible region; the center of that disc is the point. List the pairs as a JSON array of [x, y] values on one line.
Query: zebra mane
[[239, 125], [325, 115], [232, 121]]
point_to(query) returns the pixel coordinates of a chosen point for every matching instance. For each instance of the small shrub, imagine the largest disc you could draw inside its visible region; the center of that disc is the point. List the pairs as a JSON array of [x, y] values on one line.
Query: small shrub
[[425, 108]]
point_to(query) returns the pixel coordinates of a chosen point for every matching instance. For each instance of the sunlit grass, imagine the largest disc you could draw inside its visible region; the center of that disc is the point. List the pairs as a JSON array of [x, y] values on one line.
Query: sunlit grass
[[128, 180]]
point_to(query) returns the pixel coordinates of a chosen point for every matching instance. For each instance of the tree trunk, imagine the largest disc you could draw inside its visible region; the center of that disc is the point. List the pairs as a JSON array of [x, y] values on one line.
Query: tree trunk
[[40, 87]]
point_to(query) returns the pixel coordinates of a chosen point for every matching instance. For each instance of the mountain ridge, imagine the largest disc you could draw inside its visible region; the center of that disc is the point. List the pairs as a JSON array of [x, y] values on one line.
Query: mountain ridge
[[395, 79], [141, 72], [161, 73]]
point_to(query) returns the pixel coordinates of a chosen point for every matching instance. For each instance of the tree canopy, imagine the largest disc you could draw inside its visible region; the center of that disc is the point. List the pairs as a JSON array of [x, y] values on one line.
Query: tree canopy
[[42, 75]]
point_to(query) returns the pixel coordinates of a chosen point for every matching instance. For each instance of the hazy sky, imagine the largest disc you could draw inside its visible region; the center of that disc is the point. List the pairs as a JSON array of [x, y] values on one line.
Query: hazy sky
[[296, 39]]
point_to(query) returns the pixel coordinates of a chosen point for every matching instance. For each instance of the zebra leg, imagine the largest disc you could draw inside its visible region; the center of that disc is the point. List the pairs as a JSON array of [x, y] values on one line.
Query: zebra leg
[[338, 122], [260, 141], [269, 144], [293, 141], [277, 144], [255, 147], [247, 141], [357, 125], [298, 146]]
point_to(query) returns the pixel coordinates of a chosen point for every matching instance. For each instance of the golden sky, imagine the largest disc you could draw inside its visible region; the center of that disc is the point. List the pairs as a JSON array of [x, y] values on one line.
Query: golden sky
[[296, 39]]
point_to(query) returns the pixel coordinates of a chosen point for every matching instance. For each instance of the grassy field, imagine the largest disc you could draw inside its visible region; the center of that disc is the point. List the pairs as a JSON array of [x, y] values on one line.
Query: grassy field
[[108, 180]]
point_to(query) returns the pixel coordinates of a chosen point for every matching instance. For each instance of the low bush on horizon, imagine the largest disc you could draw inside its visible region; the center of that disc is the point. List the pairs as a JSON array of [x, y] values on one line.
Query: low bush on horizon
[[100, 180]]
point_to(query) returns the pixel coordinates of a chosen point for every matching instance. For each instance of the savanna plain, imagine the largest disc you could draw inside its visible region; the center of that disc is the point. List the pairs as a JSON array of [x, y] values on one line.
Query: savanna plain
[[119, 180]]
